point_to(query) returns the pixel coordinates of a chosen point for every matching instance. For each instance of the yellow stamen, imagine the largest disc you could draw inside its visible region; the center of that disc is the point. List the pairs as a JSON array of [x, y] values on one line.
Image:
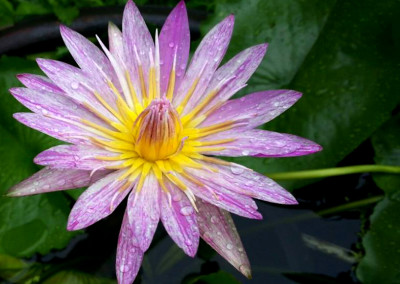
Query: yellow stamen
[[107, 106]]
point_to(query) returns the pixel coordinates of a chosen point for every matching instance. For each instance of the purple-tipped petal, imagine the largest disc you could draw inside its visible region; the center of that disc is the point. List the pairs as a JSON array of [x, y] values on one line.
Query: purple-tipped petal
[[136, 34], [53, 105], [48, 180], [92, 60], [218, 230], [174, 36], [219, 195], [241, 180], [75, 83], [75, 157], [98, 201], [261, 143], [254, 109], [204, 62], [143, 210], [179, 220], [235, 74], [39, 83], [129, 256], [115, 42], [54, 128]]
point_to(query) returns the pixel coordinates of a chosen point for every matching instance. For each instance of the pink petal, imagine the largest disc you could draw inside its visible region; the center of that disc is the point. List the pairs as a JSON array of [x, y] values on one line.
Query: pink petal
[[241, 180], [235, 73], [54, 128], [115, 42], [75, 83], [39, 83], [143, 211], [174, 36], [136, 34], [254, 109], [205, 61], [129, 256], [54, 105], [91, 60], [261, 143], [48, 180], [219, 195], [218, 230], [75, 157], [97, 202], [179, 219]]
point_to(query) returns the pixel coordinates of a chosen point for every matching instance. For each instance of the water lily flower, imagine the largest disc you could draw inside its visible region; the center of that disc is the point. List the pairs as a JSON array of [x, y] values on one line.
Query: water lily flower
[[141, 123]]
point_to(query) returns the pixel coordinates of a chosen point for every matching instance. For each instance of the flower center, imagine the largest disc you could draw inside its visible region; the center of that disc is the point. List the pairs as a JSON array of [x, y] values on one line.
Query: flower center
[[159, 130]]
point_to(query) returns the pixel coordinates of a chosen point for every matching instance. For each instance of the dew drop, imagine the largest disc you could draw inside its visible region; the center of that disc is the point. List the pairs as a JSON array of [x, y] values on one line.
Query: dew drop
[[186, 210], [74, 85], [36, 183], [214, 219], [236, 170], [44, 111], [171, 44], [124, 268], [245, 152], [188, 242], [229, 246], [177, 197]]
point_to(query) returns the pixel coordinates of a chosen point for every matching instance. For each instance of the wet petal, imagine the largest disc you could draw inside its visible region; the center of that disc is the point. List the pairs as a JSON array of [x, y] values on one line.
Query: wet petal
[[242, 180], [55, 128], [218, 230], [136, 34], [75, 157], [179, 219], [52, 104], [174, 36], [129, 256], [218, 195], [261, 143], [254, 109], [91, 59], [235, 74], [48, 180], [39, 83], [204, 62], [143, 211], [98, 201], [75, 83]]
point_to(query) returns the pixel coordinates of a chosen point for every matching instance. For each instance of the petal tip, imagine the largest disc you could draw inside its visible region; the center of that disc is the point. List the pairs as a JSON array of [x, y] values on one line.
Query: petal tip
[[245, 270]]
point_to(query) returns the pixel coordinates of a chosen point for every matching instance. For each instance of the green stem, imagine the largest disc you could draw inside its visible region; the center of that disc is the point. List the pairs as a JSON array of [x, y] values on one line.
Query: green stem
[[322, 173]]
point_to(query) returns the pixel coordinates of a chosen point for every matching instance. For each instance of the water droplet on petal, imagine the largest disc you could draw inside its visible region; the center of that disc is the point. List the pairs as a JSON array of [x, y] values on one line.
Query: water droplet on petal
[[124, 268], [188, 242], [171, 44], [245, 152], [177, 197], [186, 210], [74, 85], [229, 246], [236, 170], [214, 219]]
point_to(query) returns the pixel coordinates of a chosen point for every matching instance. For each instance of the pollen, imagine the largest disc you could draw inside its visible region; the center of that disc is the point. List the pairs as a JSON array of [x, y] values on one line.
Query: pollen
[[158, 131]]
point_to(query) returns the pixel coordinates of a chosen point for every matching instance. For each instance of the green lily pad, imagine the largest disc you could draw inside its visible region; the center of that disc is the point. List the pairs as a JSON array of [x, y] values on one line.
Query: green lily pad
[[33, 224], [341, 55], [386, 143], [381, 261]]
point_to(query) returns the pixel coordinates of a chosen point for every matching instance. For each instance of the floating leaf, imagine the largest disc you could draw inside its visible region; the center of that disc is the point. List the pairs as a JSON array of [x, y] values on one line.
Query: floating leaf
[[33, 224], [340, 55]]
